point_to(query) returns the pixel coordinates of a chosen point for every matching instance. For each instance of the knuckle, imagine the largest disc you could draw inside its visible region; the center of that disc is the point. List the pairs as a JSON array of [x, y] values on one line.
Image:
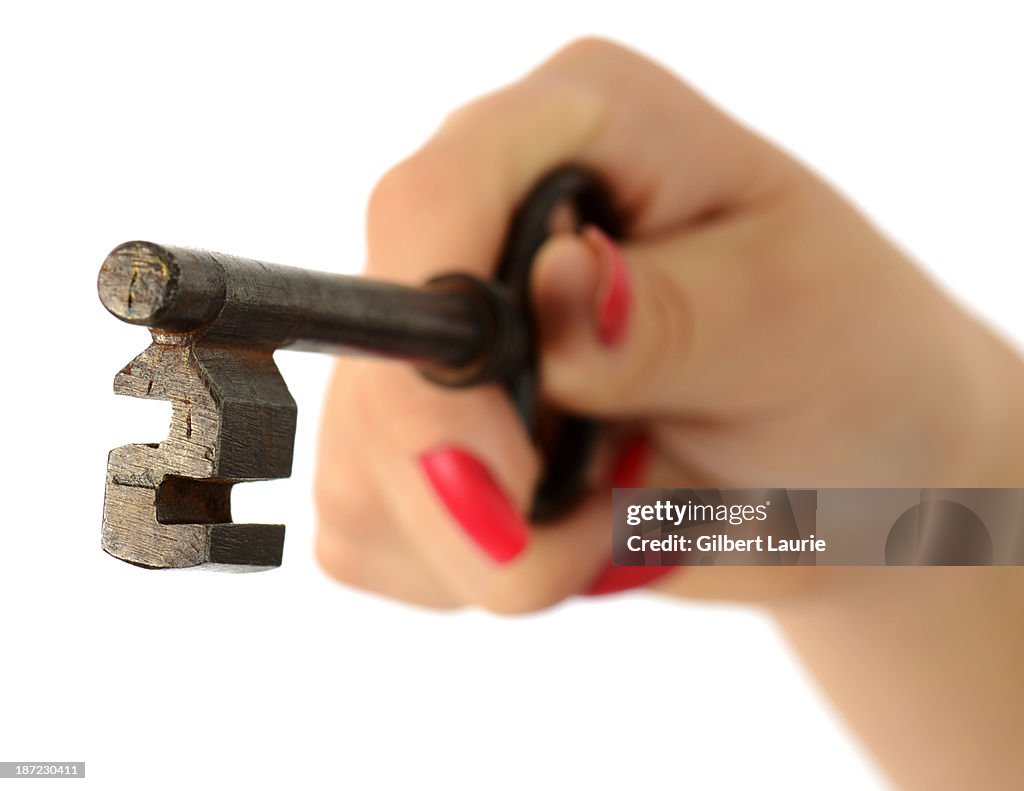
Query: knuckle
[[468, 111], [588, 47], [427, 178], [399, 186]]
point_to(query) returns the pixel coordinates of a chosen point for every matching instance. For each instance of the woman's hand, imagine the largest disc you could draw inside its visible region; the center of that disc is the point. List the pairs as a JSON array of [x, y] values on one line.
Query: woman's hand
[[754, 330]]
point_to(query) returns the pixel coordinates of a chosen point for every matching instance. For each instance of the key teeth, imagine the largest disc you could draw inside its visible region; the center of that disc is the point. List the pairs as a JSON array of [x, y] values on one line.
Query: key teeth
[[246, 547], [221, 547], [233, 420]]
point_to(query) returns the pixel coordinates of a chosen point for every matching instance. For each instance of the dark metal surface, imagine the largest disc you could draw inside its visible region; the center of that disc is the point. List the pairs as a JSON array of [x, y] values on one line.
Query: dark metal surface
[[570, 197], [167, 505], [251, 303], [216, 321]]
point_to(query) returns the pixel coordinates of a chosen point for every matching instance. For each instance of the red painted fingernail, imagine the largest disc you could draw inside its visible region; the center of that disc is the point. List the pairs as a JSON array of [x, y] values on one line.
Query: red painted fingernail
[[476, 501], [615, 579], [614, 294], [627, 471], [631, 462]]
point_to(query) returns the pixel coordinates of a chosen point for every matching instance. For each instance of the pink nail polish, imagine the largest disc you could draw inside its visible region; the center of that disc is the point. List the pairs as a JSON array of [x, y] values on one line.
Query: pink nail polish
[[477, 503], [631, 462], [614, 293], [628, 469]]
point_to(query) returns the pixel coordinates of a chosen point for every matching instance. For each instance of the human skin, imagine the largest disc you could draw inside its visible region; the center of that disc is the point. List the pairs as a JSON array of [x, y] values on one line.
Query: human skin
[[771, 337]]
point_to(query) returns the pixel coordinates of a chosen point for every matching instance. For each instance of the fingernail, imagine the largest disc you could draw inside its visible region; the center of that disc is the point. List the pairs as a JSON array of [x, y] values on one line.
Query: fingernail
[[628, 469], [614, 293], [630, 462], [615, 579], [477, 503]]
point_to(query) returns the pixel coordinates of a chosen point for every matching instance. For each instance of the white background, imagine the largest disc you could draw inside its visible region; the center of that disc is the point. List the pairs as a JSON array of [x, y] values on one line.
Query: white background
[[259, 129]]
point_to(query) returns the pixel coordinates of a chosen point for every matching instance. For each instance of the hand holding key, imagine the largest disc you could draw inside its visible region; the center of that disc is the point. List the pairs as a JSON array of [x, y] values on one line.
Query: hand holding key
[[752, 330]]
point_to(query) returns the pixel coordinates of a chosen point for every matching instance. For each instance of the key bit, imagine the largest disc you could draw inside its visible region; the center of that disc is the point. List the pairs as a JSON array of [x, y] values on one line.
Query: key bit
[[168, 505]]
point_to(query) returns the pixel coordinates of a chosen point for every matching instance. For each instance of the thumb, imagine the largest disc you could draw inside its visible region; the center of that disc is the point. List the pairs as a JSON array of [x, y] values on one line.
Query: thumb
[[643, 327]]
